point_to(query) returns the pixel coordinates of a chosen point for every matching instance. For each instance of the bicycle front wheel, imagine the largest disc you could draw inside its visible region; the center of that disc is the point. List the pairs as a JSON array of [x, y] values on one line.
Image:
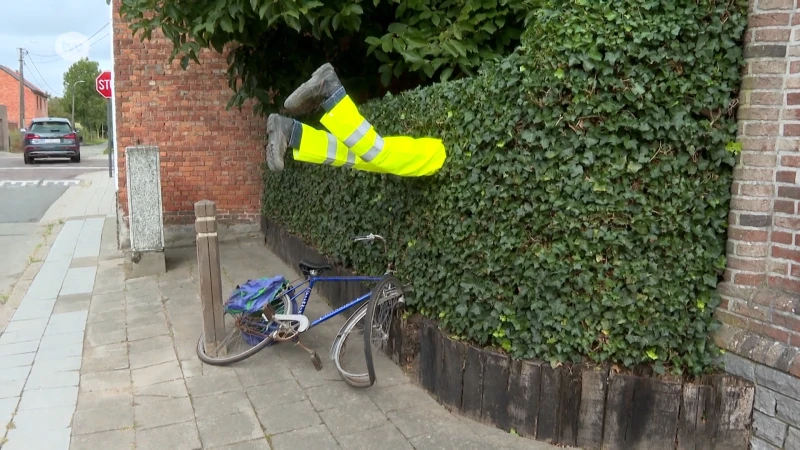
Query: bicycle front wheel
[[248, 335], [385, 299]]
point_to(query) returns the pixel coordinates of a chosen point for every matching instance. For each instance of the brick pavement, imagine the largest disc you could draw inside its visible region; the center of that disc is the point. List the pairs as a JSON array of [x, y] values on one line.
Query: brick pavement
[[93, 361]]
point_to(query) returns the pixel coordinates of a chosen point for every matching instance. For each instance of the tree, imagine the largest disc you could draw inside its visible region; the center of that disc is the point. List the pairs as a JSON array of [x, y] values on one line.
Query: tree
[[379, 45], [90, 107], [58, 107]]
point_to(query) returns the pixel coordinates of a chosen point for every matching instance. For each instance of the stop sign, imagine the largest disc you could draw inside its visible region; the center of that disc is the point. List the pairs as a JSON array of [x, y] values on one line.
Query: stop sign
[[103, 84]]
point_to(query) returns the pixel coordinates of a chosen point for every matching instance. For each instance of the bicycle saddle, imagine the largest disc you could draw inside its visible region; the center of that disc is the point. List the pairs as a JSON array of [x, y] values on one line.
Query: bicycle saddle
[[307, 266]]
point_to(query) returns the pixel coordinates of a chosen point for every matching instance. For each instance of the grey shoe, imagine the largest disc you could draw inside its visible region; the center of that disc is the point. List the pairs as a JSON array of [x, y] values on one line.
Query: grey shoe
[[280, 131], [310, 95]]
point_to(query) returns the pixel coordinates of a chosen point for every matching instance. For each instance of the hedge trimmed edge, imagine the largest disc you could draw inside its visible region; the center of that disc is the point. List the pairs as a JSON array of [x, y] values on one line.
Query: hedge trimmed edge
[[582, 211]]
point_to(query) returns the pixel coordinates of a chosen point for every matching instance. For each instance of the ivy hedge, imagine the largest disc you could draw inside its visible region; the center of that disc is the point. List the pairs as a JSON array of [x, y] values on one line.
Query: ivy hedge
[[582, 210]]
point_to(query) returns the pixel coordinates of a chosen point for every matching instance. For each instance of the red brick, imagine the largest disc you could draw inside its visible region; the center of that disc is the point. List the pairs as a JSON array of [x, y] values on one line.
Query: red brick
[[789, 192], [767, 98], [789, 321], [795, 271], [793, 98], [748, 265], [782, 237], [35, 104], [770, 331], [775, 4], [792, 82], [748, 279], [731, 319], [758, 67], [756, 190], [743, 234], [790, 161], [750, 82], [785, 253], [785, 206], [778, 267], [750, 204], [758, 113], [761, 129], [756, 144], [749, 310], [784, 283], [752, 249], [791, 129], [790, 223], [786, 176], [768, 20], [773, 35], [758, 159], [751, 174]]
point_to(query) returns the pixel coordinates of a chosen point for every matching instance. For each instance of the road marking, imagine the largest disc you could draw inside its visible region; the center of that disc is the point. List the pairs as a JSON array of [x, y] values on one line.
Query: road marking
[[32, 183], [37, 167]]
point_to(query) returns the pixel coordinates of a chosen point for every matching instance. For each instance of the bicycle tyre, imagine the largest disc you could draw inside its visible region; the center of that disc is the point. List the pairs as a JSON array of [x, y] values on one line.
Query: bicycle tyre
[[376, 298], [353, 379], [287, 305]]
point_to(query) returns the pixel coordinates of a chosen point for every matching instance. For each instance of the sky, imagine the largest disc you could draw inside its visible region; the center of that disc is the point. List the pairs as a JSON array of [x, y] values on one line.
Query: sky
[[55, 33]]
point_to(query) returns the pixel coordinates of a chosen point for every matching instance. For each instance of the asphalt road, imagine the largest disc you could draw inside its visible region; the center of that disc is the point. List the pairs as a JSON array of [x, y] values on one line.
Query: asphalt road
[[26, 193]]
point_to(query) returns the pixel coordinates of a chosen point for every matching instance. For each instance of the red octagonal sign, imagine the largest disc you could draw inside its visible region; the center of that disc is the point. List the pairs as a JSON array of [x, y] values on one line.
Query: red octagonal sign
[[103, 84]]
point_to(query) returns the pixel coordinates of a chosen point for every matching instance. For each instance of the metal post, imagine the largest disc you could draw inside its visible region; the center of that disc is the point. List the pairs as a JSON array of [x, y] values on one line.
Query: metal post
[[73, 101], [209, 274], [110, 144], [21, 90]]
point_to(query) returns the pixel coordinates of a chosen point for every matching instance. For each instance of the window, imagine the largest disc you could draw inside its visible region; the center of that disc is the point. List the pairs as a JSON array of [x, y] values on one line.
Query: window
[[50, 127]]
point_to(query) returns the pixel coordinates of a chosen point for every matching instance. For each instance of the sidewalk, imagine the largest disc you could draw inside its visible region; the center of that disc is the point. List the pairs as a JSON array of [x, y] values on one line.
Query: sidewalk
[[92, 361]]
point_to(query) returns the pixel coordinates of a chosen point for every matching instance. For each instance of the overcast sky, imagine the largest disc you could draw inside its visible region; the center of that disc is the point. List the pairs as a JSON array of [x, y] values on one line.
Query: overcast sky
[[64, 31]]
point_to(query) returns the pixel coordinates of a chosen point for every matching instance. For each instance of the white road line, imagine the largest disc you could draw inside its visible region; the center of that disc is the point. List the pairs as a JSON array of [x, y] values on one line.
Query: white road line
[[32, 183], [55, 168]]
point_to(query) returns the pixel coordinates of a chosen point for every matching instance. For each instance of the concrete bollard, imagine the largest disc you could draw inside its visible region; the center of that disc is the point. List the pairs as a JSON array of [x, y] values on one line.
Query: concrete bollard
[[209, 274], [143, 173]]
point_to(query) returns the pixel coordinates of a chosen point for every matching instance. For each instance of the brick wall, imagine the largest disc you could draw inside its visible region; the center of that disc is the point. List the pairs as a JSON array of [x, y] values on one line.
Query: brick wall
[[35, 105], [761, 289], [206, 151]]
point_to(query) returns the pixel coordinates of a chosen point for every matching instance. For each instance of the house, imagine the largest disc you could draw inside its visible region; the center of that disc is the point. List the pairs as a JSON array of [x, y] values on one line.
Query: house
[[35, 98]]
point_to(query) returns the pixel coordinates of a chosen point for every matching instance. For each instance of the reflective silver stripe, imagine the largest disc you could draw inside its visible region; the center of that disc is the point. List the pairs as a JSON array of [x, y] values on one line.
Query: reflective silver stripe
[[331, 157], [351, 159], [376, 149], [357, 135]]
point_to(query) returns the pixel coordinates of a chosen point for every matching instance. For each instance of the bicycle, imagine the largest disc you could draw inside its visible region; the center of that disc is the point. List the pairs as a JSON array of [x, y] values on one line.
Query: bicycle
[[277, 320]]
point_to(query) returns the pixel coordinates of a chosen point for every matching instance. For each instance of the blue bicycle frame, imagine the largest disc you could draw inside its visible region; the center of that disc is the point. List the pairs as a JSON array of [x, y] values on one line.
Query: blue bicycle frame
[[312, 280]]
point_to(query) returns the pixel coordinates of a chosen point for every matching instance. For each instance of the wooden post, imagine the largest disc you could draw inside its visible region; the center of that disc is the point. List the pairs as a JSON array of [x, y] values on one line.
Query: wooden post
[[208, 267]]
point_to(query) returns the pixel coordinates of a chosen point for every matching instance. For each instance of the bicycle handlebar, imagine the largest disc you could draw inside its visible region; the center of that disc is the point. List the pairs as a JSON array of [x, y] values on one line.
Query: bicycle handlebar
[[369, 237]]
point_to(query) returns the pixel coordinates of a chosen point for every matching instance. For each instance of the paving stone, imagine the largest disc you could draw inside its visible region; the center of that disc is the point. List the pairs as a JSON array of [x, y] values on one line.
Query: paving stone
[[258, 444], [58, 340], [82, 261], [777, 381], [387, 437], [19, 347], [317, 437], [276, 394], [58, 352], [111, 337], [29, 324], [182, 436], [108, 399], [47, 380], [147, 331], [155, 393], [402, 397], [71, 307], [792, 439], [413, 423], [760, 444], [88, 243], [211, 406], [21, 359], [66, 323], [35, 440], [289, 417], [79, 281], [157, 374], [768, 428], [100, 381], [262, 370], [353, 417], [229, 429], [58, 365], [333, 395], [13, 337], [88, 421], [44, 419], [100, 362], [191, 368], [216, 383], [108, 326], [49, 398], [449, 439], [157, 318], [167, 412], [14, 373], [7, 408], [105, 440], [10, 389]]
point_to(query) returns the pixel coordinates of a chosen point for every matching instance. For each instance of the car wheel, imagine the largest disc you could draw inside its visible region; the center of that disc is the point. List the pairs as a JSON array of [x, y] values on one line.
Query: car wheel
[[76, 158], [28, 159]]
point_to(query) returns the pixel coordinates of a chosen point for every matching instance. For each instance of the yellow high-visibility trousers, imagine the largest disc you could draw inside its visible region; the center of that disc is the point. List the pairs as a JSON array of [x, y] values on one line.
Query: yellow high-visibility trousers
[[353, 142]]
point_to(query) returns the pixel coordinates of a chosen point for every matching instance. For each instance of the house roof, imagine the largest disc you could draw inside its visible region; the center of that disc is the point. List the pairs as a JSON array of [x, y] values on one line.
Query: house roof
[[30, 85]]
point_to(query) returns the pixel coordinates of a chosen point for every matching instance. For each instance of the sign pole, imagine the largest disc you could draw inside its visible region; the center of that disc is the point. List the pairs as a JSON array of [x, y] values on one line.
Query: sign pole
[[110, 137], [102, 85]]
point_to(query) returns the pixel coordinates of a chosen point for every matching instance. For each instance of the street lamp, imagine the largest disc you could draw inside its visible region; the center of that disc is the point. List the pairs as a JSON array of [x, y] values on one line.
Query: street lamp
[[73, 101]]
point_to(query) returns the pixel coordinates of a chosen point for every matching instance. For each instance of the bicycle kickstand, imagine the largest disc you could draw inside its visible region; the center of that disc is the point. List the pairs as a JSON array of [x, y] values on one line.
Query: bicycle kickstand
[[314, 357]]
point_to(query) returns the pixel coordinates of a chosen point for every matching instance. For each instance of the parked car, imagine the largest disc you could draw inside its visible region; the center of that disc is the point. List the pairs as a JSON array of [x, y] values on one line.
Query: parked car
[[51, 137]]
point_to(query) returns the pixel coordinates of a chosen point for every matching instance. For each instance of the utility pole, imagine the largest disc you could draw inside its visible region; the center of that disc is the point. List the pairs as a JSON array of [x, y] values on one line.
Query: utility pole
[[21, 90], [73, 100]]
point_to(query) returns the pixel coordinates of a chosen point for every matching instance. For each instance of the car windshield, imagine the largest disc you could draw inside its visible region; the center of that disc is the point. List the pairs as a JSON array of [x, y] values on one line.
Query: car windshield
[[50, 127]]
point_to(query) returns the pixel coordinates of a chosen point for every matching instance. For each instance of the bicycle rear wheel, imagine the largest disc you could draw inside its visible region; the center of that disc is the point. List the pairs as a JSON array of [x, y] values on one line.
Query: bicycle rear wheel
[[385, 299], [248, 335]]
